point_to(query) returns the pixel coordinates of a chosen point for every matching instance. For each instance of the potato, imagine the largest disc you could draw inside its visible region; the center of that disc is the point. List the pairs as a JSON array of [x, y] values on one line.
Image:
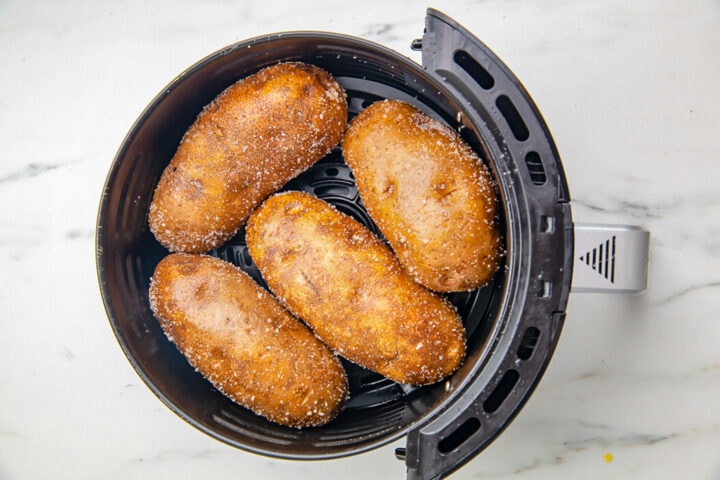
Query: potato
[[255, 136], [429, 194], [337, 276], [245, 343]]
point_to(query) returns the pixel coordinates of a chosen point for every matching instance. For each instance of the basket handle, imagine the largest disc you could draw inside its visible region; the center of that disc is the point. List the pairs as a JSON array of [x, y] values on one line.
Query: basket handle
[[610, 258]]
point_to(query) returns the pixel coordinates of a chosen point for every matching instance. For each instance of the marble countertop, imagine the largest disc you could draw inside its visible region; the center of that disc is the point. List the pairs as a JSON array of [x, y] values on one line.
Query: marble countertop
[[630, 92]]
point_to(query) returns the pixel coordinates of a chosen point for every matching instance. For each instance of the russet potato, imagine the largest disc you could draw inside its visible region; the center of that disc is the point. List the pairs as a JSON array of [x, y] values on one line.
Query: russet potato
[[249, 141], [429, 194], [337, 276], [245, 343]]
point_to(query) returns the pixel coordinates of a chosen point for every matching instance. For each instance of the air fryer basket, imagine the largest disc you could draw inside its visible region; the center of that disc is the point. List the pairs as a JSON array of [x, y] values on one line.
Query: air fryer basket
[[513, 323]]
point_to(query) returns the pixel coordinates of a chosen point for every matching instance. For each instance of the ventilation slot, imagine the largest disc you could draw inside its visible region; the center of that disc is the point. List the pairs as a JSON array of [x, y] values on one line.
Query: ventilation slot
[[501, 392], [535, 168], [324, 191], [247, 261], [459, 436], [544, 289], [528, 343], [474, 69], [602, 259], [512, 117], [547, 224]]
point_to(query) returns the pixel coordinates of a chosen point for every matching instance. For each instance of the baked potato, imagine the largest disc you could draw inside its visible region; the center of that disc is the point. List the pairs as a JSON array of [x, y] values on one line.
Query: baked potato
[[249, 141], [245, 343], [429, 194], [346, 284]]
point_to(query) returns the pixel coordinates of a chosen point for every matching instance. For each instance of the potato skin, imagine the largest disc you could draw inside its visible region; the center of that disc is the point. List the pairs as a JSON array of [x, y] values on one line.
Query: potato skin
[[429, 194], [242, 340], [338, 277], [249, 141]]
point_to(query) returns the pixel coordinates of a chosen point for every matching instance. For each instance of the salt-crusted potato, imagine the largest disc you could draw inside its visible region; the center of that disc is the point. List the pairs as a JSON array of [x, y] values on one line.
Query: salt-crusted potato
[[242, 340], [255, 136], [337, 276], [429, 194]]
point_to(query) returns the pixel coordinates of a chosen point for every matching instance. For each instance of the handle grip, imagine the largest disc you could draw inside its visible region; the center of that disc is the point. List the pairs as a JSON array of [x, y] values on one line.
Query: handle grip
[[610, 259]]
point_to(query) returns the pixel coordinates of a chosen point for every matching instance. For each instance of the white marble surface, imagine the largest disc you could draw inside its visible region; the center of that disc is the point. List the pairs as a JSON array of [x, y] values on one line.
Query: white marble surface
[[630, 91]]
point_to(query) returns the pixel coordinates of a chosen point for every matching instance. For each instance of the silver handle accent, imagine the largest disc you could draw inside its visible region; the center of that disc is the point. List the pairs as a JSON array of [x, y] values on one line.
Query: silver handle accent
[[610, 258]]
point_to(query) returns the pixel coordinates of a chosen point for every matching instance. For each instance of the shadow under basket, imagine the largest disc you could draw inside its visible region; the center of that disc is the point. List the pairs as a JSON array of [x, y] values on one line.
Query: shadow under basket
[[513, 322]]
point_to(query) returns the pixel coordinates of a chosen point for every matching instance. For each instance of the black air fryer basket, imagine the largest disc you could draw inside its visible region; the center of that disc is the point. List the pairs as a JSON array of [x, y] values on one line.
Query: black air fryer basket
[[513, 323]]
